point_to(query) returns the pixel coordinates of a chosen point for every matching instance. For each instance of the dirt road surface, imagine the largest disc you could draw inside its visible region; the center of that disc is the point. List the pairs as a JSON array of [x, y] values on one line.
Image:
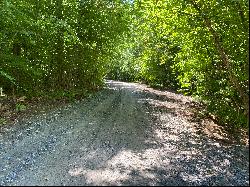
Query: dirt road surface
[[126, 134]]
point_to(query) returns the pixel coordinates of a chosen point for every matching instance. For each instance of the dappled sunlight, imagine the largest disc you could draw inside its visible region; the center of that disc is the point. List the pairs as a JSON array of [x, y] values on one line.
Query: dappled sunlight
[[187, 165], [122, 166], [120, 85], [184, 107], [175, 152], [100, 176], [127, 136], [164, 95], [180, 157], [180, 120], [161, 135]]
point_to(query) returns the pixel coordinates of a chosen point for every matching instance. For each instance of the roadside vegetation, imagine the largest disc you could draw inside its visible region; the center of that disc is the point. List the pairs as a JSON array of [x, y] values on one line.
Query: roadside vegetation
[[64, 49]]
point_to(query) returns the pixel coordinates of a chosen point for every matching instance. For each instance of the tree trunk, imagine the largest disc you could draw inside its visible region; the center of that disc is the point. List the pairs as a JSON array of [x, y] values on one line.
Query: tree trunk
[[59, 58], [224, 57]]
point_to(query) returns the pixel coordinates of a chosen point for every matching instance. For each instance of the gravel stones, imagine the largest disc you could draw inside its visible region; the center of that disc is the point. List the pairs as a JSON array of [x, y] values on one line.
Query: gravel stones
[[122, 135]]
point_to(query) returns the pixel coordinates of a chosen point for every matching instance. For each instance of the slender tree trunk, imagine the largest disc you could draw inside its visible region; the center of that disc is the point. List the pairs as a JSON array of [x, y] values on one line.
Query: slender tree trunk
[[224, 57], [60, 80]]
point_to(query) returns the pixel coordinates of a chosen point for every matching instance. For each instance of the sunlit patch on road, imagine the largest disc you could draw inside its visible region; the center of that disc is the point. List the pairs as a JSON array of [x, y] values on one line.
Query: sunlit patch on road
[[127, 134]]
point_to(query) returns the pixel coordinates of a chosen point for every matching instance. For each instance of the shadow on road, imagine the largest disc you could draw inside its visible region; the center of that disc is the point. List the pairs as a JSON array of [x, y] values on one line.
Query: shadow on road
[[126, 134], [169, 148]]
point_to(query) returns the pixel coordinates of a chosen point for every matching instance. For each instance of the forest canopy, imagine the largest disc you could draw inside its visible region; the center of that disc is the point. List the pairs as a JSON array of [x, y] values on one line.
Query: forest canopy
[[196, 47]]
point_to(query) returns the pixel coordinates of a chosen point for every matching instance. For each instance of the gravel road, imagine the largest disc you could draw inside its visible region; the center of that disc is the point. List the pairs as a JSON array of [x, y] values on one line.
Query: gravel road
[[126, 134]]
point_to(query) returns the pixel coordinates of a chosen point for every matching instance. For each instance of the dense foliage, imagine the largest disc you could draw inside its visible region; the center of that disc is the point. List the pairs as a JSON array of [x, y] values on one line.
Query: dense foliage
[[198, 47], [59, 45]]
